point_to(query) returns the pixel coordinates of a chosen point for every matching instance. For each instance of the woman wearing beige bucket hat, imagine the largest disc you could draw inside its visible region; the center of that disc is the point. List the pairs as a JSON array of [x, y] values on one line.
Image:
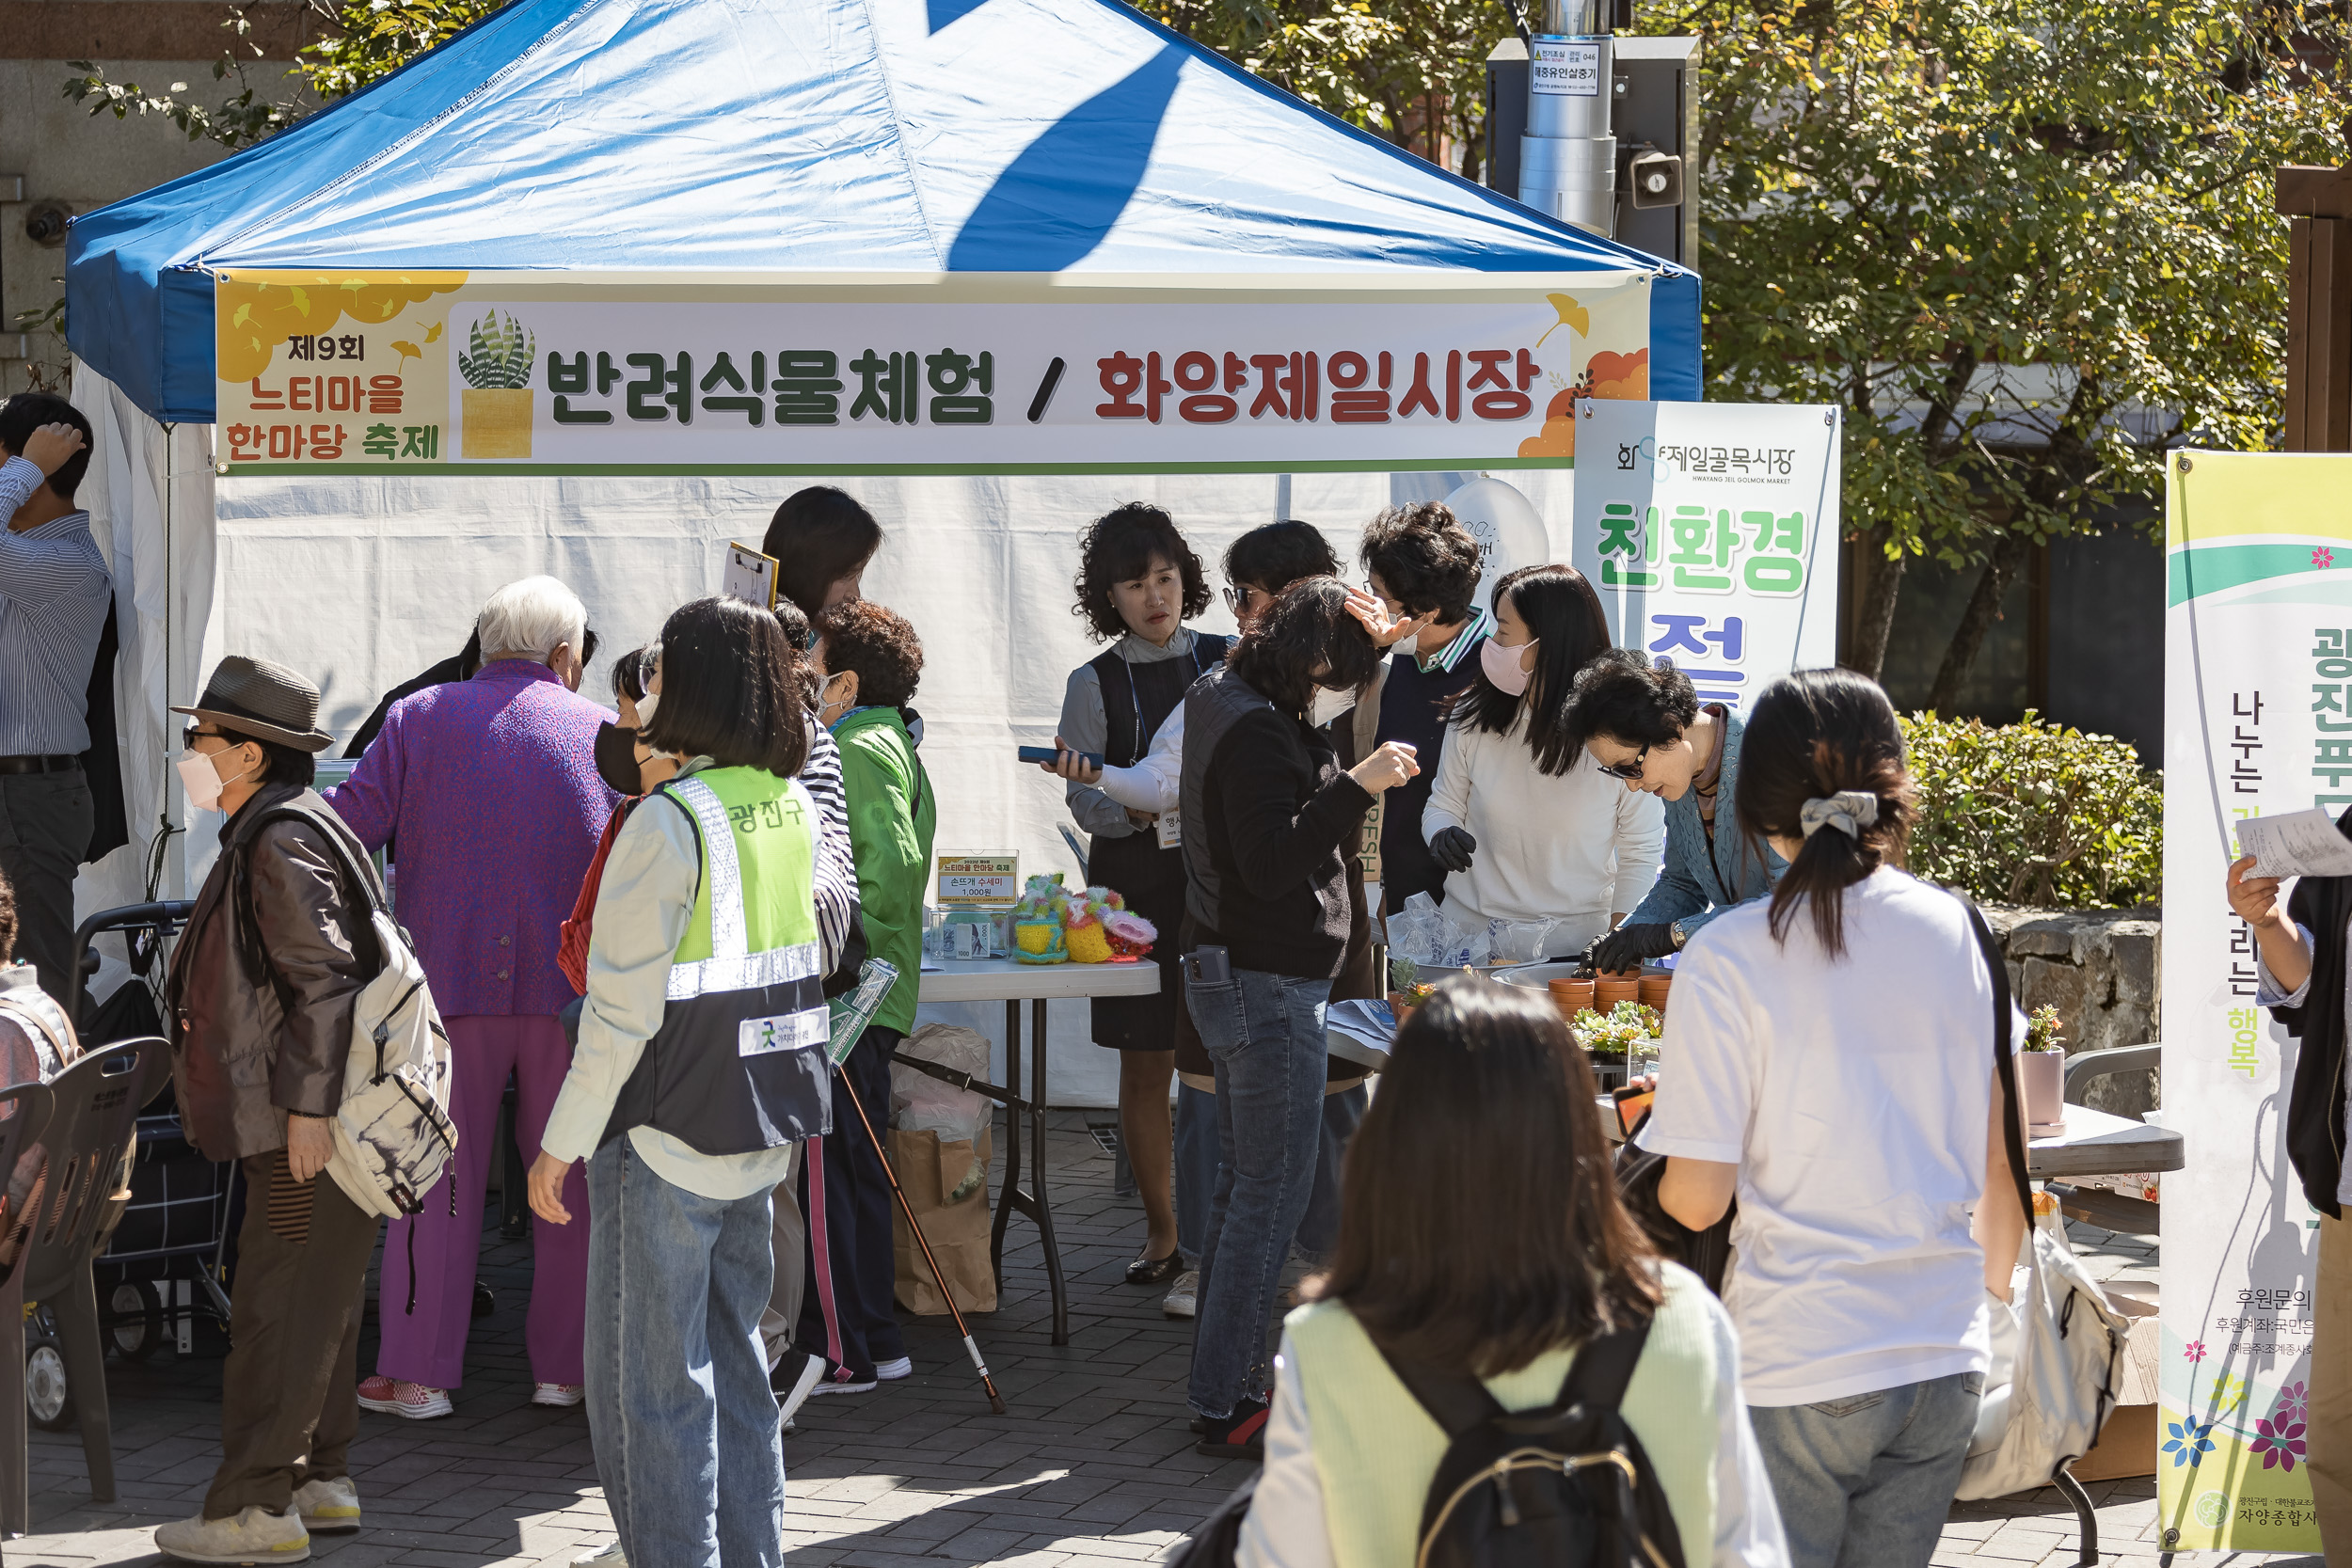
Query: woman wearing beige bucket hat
[[260, 997]]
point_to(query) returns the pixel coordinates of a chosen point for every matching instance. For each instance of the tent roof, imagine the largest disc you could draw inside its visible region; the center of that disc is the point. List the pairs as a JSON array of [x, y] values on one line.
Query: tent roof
[[780, 136]]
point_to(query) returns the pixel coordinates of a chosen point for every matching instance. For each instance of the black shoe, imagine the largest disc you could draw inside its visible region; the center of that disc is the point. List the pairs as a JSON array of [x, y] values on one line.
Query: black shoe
[[484, 1303], [794, 1376], [1156, 1271], [1240, 1436], [1199, 1425]]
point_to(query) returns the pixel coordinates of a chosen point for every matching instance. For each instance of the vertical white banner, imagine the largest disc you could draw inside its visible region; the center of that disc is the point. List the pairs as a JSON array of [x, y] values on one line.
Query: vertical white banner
[[2258, 667], [1710, 531]]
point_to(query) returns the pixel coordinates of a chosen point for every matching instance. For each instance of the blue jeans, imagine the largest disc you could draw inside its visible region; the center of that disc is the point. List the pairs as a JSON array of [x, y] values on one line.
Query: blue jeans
[[688, 1444], [1319, 1232], [1196, 1168], [1865, 1482], [1265, 1037]]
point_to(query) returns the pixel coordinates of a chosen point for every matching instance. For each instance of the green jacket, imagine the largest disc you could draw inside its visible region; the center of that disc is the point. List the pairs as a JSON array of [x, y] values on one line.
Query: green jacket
[[893, 813]]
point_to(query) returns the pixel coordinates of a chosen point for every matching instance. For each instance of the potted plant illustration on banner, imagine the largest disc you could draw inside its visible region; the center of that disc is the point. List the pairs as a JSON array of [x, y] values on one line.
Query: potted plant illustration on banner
[[496, 364]]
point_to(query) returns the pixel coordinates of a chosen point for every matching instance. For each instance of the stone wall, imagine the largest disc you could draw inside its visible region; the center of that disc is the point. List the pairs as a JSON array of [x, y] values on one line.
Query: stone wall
[[2099, 969]]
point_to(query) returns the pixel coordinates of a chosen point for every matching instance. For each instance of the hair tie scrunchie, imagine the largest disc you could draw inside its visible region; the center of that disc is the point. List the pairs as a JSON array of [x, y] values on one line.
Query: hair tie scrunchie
[[1849, 811]]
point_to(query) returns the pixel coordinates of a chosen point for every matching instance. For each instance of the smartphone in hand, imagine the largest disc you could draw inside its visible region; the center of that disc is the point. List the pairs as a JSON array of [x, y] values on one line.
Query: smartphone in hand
[[1047, 754]]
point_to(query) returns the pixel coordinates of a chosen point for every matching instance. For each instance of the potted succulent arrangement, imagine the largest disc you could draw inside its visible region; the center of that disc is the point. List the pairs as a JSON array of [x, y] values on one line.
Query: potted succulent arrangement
[[2041, 1074], [1407, 990], [1625, 1031]]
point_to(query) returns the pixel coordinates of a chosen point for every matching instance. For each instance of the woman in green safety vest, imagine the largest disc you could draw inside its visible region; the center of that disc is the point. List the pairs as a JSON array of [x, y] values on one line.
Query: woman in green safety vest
[[848, 1339], [701, 1063]]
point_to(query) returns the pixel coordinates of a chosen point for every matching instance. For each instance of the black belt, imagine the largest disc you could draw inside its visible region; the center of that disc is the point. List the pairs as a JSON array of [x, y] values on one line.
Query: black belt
[[40, 765]]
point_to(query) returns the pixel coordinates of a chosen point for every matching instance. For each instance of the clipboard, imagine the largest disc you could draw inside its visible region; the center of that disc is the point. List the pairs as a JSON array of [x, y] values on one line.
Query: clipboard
[[749, 576]]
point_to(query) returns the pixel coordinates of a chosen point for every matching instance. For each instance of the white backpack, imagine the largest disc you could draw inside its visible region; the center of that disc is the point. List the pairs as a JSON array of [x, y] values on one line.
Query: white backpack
[[394, 1135]]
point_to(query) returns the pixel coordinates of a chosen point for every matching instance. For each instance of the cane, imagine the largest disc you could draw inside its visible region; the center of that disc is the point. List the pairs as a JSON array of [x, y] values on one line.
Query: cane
[[995, 1400], [848, 1018]]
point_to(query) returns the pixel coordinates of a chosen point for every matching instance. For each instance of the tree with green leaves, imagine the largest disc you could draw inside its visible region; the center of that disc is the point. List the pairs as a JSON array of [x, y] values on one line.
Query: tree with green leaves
[[362, 41], [2026, 245]]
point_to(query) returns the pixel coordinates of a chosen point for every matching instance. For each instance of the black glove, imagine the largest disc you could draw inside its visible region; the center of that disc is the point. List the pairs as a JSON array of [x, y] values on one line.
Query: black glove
[[1630, 947], [1453, 848]]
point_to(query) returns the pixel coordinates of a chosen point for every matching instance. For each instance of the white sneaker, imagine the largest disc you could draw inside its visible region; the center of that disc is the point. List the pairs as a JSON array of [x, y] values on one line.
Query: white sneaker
[[328, 1504], [256, 1535], [1183, 1297], [891, 1371], [558, 1396], [612, 1557]]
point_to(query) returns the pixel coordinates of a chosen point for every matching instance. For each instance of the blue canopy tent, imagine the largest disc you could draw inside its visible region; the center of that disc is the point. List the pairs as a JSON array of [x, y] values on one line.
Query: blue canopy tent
[[740, 139], [783, 135]]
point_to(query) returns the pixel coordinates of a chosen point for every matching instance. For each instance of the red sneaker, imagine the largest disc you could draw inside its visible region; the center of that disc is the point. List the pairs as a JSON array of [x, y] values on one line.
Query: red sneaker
[[394, 1397]]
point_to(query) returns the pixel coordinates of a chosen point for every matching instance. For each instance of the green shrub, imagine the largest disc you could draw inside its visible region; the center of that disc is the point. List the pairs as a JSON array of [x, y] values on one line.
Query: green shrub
[[2032, 812]]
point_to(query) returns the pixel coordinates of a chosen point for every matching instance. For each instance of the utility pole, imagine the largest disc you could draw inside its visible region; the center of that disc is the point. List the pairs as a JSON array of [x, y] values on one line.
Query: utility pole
[[2317, 203]]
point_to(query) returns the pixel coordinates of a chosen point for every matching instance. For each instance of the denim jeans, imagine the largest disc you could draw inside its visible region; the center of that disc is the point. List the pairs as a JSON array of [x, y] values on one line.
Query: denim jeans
[[1265, 1037], [1196, 1168], [1865, 1482], [1319, 1232], [688, 1444]]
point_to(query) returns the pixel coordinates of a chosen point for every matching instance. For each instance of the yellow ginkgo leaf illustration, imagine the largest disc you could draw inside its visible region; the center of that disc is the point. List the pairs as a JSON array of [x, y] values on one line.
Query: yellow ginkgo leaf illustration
[[407, 351], [433, 333], [1572, 315]]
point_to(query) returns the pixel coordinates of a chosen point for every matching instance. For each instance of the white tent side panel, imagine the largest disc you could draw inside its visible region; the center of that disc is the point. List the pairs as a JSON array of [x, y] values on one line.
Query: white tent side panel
[[361, 583]]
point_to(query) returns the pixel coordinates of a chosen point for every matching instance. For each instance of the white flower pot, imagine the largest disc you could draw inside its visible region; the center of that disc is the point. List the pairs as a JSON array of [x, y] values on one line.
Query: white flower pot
[[2041, 1080]]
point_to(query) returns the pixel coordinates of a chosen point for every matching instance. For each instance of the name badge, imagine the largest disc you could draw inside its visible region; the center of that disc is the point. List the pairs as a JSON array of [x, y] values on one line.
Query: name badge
[[758, 1037], [1170, 825]]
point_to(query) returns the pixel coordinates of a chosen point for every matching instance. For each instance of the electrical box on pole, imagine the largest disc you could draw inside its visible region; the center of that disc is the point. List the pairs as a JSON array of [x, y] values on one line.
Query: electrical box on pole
[[1627, 161]]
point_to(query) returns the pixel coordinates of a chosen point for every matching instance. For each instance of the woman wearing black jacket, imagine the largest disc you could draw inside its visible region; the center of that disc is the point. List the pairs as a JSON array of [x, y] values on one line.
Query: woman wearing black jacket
[[1267, 811]]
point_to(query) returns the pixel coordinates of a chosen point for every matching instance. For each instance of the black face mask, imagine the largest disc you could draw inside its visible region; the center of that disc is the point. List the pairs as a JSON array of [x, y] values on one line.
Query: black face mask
[[616, 758]]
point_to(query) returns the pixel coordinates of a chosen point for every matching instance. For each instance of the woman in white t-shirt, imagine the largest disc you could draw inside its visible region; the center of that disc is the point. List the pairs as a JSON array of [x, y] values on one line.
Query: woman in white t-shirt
[[1521, 818], [1829, 1062]]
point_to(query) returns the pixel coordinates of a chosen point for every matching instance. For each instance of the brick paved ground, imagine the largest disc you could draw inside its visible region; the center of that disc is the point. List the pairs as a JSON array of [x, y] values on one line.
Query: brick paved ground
[[1092, 1467]]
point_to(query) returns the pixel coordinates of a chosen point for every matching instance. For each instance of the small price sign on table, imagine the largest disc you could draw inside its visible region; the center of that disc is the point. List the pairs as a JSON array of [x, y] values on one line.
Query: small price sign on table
[[978, 879]]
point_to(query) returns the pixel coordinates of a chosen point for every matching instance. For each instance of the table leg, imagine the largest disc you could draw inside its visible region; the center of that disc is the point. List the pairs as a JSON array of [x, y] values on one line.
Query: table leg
[[2087, 1521], [1043, 1212], [1012, 1142]]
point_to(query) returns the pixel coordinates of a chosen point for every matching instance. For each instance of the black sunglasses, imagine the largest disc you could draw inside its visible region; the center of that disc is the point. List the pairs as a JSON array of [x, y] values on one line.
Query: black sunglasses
[[1629, 771], [190, 736]]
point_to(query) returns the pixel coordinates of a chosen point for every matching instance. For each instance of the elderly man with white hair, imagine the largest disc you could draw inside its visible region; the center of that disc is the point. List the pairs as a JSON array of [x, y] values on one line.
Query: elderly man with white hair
[[490, 785]]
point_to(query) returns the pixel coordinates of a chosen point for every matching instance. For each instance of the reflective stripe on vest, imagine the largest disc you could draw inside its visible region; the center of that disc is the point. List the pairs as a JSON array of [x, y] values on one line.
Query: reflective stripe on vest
[[730, 966]]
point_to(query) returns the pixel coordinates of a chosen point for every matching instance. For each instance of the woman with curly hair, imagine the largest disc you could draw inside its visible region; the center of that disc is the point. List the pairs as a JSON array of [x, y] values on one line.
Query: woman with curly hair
[[1137, 583]]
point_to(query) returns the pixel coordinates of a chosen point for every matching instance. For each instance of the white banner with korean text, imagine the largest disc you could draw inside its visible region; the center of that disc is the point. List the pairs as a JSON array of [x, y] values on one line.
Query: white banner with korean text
[[1709, 530], [2257, 668], [561, 374]]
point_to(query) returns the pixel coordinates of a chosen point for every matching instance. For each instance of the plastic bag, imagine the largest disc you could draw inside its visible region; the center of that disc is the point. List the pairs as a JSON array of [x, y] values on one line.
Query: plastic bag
[[1424, 933], [1519, 941], [922, 1103]]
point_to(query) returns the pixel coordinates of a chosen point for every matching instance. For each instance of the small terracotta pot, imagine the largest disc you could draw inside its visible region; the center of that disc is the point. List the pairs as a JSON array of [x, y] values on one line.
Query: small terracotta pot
[[1402, 1008], [1611, 990], [1653, 992], [2041, 1079], [1571, 996]]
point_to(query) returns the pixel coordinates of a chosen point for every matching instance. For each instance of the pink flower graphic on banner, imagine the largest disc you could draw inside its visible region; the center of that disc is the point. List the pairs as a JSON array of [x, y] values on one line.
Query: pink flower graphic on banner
[[2323, 557], [2194, 1350], [2278, 1441], [2293, 1403]]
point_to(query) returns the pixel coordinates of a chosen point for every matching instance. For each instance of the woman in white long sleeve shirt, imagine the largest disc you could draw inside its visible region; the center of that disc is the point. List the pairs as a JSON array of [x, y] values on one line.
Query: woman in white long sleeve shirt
[[1481, 1238], [1525, 825]]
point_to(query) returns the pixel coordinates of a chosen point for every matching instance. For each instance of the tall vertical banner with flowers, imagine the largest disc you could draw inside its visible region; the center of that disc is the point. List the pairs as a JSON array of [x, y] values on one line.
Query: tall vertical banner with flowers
[[2258, 721]]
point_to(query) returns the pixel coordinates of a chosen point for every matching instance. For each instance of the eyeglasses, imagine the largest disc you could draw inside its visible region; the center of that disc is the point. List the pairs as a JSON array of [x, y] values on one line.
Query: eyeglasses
[[193, 734], [1238, 599], [1629, 771]]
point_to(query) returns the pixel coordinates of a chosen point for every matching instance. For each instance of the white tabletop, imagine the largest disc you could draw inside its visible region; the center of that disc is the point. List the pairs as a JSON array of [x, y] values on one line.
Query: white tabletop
[[2098, 1144], [1007, 980]]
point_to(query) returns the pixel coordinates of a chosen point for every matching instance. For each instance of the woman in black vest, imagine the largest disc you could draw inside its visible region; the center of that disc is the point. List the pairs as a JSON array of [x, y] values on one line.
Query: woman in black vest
[[1137, 582]]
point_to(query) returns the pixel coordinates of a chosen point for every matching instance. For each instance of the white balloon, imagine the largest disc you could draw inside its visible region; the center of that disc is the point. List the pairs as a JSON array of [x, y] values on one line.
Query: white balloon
[[1509, 531]]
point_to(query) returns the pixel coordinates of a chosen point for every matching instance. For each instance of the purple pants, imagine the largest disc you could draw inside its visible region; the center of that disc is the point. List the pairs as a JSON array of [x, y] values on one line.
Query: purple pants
[[429, 1346]]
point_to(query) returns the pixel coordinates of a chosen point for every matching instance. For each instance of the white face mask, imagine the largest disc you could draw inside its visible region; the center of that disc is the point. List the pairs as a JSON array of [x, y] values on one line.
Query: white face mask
[[646, 704], [200, 778], [1327, 705]]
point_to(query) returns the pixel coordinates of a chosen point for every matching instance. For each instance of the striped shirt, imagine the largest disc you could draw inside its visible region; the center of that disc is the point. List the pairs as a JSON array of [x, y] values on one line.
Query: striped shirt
[[836, 867], [54, 596]]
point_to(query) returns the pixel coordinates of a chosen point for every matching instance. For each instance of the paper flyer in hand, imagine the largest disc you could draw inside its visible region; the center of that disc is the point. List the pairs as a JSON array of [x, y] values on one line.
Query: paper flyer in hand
[[2295, 844]]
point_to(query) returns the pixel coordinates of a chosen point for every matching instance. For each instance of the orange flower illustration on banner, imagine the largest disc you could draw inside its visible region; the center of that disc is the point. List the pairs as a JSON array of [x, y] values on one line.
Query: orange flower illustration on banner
[[258, 310], [1559, 434], [1620, 376]]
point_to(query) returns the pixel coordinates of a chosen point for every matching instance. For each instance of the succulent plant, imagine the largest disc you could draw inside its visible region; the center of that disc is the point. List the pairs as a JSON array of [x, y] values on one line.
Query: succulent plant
[[498, 354]]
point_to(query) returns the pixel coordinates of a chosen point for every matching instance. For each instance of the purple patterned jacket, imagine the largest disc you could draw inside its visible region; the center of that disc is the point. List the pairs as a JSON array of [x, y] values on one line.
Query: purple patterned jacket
[[491, 787]]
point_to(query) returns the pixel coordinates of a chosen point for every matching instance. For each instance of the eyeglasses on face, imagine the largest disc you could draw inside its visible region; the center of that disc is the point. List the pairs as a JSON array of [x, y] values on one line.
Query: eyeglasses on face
[[1629, 771], [195, 733], [1239, 600]]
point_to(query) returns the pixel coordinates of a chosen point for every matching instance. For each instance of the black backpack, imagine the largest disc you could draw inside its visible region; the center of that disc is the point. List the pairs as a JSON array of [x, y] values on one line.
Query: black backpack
[[1565, 1486], [1706, 1253]]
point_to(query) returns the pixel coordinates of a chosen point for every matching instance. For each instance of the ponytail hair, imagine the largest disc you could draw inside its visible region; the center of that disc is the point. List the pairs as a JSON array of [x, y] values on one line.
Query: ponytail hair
[[1823, 758]]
